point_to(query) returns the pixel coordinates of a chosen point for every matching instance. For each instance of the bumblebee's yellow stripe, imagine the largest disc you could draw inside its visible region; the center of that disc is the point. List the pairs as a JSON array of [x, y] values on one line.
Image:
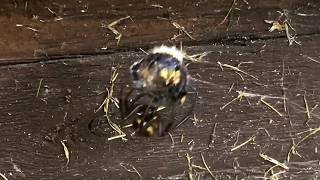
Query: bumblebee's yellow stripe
[[150, 130], [183, 99], [171, 77]]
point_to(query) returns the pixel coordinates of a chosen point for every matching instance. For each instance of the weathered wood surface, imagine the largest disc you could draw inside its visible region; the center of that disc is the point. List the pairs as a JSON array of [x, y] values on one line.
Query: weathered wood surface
[[37, 30], [74, 73]]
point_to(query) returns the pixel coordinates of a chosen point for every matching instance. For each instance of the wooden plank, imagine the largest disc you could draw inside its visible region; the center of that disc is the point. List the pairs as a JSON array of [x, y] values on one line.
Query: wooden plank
[[34, 31], [32, 126]]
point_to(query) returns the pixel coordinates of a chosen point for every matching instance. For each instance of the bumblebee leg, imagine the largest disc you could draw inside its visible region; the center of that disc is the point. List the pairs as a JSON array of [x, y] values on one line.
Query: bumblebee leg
[[137, 98], [135, 110], [127, 108], [124, 102]]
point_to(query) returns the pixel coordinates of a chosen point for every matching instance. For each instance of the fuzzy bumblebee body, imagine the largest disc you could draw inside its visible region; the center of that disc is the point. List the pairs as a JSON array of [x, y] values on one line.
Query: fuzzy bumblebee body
[[162, 74], [161, 81]]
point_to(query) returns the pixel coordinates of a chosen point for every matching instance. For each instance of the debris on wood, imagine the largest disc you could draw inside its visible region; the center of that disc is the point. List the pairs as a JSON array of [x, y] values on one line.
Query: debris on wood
[[197, 57], [3, 176], [39, 86], [275, 26], [231, 87], [196, 120], [181, 139], [296, 145], [236, 69], [157, 5], [307, 107], [274, 161], [213, 135], [244, 143], [310, 58], [181, 28], [242, 94], [66, 152], [56, 17], [230, 102], [291, 38], [190, 172], [27, 27], [207, 168], [228, 14], [116, 137], [273, 175], [105, 105], [270, 106], [283, 25], [114, 30], [172, 140], [199, 167], [130, 168]]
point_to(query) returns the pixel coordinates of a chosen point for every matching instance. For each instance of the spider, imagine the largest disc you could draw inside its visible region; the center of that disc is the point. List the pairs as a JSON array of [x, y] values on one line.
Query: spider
[[161, 80]]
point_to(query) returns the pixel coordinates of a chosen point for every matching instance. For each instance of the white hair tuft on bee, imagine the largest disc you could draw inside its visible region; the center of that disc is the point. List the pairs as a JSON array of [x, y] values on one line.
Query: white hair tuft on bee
[[172, 51]]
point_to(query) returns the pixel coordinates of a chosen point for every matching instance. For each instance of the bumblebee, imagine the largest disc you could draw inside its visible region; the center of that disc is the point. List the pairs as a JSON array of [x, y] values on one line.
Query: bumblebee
[[161, 80]]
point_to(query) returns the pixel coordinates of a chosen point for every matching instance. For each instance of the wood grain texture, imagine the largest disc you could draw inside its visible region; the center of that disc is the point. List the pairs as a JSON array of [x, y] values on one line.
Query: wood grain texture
[[39, 30], [74, 79]]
